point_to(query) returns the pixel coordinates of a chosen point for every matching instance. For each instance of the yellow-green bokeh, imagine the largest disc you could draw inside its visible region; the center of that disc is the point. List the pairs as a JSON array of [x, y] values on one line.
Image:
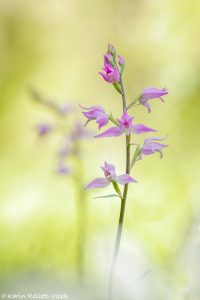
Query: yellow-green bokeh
[[57, 46]]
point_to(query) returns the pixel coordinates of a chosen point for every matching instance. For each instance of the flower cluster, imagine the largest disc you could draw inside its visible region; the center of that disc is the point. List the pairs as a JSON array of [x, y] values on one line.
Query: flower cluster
[[112, 72], [71, 133], [67, 129]]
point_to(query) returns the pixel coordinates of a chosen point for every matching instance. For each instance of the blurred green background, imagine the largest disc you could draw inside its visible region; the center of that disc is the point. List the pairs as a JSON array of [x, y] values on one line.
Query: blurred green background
[[57, 47]]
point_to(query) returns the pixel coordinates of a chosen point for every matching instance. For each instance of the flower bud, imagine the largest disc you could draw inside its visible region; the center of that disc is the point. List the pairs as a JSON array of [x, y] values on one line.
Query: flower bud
[[121, 61], [111, 49]]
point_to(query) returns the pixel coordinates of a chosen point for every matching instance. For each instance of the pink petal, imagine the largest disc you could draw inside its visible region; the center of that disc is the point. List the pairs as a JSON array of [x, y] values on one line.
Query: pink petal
[[152, 93], [98, 183], [107, 58], [105, 77], [154, 146], [147, 106], [109, 170], [96, 107], [125, 178], [63, 170], [147, 151], [102, 121], [115, 75], [90, 114], [141, 128], [120, 60], [149, 139], [113, 131]]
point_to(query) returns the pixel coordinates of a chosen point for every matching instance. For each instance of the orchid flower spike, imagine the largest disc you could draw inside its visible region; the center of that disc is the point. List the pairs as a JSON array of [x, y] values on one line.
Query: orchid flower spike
[[110, 177], [150, 93], [125, 126], [150, 146], [96, 113], [110, 72]]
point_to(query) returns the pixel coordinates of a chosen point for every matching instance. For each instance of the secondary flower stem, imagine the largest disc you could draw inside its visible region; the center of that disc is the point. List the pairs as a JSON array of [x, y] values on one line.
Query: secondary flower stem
[[123, 205], [81, 219], [123, 94]]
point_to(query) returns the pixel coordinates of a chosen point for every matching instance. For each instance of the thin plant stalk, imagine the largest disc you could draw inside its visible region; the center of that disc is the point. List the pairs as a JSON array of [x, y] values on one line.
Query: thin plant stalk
[[81, 203], [81, 222], [122, 208]]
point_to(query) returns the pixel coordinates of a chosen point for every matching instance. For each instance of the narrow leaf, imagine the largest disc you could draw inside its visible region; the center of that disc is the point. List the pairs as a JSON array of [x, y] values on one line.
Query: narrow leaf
[[135, 155], [107, 196], [117, 189], [132, 144], [117, 86], [133, 102], [111, 118]]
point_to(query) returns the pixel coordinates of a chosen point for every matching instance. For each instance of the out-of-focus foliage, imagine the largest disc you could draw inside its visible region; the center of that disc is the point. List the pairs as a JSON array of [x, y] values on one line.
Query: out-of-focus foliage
[[57, 46]]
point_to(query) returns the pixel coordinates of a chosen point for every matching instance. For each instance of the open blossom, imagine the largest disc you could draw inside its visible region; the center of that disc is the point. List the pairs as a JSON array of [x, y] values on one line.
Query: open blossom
[[150, 146], [111, 73], [150, 93], [43, 129], [125, 126], [110, 176], [96, 113]]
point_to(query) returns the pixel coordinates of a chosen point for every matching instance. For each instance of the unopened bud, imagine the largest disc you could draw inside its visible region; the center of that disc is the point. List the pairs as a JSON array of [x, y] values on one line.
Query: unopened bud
[[111, 49]]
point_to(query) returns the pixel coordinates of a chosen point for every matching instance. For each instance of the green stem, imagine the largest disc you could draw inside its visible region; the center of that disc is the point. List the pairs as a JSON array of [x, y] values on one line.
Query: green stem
[[112, 119], [123, 94], [81, 233], [117, 189], [81, 220], [123, 206]]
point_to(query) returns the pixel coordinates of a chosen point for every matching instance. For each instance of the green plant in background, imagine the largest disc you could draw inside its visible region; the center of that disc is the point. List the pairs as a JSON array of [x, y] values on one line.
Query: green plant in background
[[69, 162], [112, 73], [40, 42]]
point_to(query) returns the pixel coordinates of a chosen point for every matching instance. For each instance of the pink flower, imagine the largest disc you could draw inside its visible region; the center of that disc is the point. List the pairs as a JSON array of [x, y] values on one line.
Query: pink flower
[[151, 93], [96, 113], [125, 126], [44, 129], [110, 176], [111, 73], [63, 170], [150, 146]]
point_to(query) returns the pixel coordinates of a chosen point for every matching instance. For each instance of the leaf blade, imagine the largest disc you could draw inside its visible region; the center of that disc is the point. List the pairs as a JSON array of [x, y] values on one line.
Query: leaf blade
[[107, 196]]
